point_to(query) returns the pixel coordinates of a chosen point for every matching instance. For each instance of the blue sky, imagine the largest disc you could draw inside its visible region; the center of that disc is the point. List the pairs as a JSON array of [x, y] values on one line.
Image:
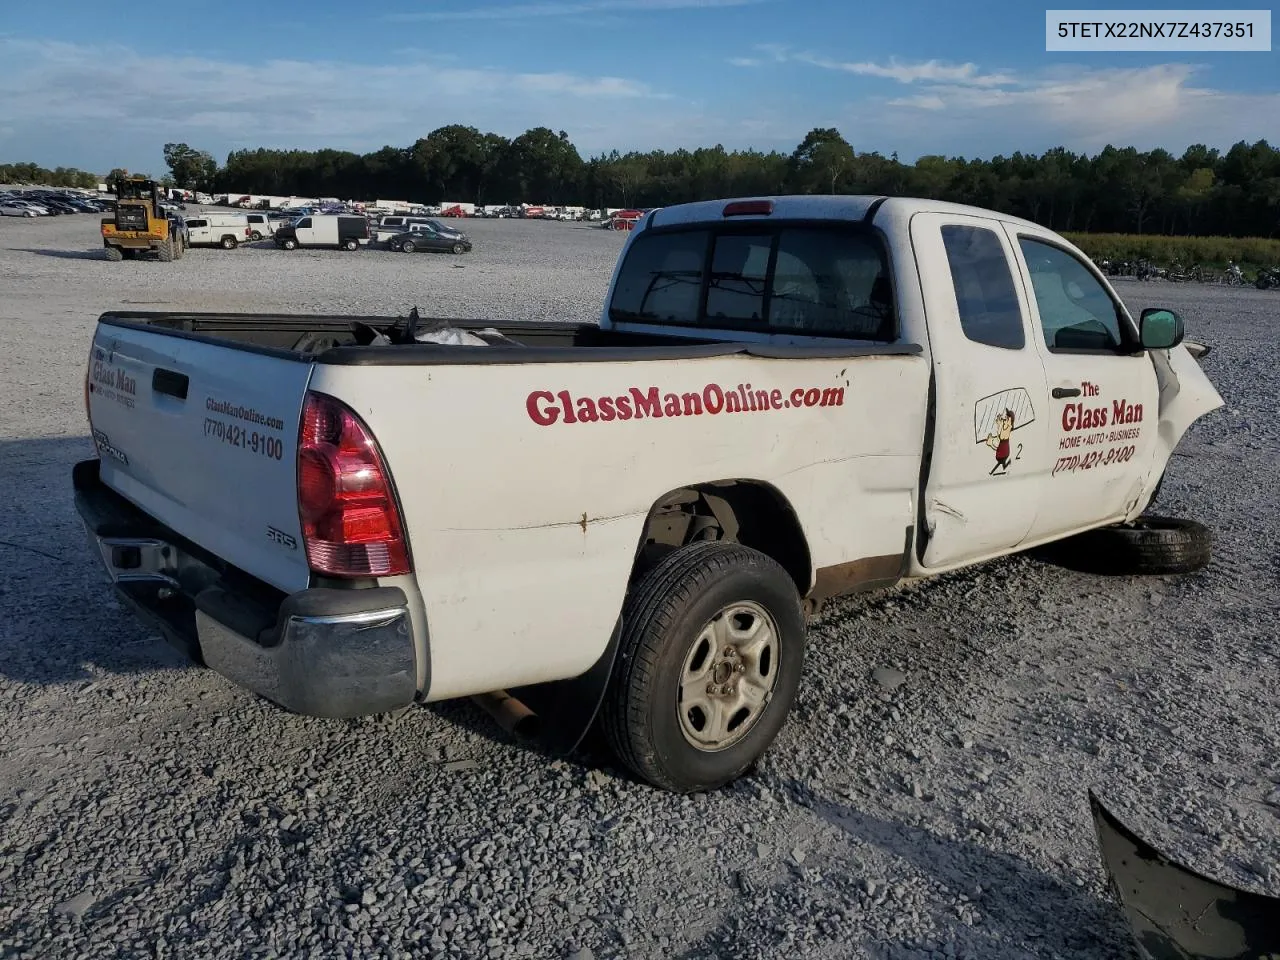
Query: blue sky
[[97, 88]]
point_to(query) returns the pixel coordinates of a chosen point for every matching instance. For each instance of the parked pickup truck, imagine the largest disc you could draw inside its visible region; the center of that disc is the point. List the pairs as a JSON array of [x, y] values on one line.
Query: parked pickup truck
[[785, 400]]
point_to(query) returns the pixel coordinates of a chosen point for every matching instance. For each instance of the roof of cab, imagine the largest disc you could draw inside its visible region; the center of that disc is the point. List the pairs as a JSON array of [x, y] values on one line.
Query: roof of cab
[[822, 207]]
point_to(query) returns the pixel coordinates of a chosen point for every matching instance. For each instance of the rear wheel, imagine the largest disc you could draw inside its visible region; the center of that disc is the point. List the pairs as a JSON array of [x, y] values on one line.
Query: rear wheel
[[290, 244], [408, 246], [164, 250], [179, 248], [350, 243], [114, 253], [229, 243], [709, 661], [255, 236]]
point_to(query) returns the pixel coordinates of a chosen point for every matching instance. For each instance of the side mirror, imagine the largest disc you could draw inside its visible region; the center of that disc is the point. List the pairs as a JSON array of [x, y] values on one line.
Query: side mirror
[[1160, 329]]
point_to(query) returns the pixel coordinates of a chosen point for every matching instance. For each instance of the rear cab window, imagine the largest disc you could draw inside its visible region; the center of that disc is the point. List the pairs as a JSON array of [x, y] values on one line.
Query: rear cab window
[[826, 280]]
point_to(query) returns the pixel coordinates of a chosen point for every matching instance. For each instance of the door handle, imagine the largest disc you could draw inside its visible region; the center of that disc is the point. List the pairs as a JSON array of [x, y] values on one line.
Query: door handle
[[1060, 393], [170, 382]]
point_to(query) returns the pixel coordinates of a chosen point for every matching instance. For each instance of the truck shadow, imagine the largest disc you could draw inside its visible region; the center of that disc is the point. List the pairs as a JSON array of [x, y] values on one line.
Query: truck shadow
[[1022, 911], [95, 254], [61, 616]]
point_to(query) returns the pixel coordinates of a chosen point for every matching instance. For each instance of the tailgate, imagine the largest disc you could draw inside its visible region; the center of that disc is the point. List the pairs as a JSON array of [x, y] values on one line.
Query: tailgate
[[204, 438]]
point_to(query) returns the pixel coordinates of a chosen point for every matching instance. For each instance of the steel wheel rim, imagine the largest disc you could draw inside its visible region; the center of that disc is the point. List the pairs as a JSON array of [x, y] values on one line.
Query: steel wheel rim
[[728, 676]]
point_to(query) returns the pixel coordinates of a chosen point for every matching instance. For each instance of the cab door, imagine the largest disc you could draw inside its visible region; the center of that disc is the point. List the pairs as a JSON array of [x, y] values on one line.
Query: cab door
[[1102, 398], [990, 446], [304, 232], [198, 230]]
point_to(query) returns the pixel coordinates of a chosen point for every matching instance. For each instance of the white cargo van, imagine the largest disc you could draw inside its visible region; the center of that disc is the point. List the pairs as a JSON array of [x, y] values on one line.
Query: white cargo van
[[226, 230], [321, 230]]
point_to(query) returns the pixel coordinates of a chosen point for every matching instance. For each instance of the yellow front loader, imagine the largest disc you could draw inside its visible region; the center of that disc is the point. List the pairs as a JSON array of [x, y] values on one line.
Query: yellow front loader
[[140, 225]]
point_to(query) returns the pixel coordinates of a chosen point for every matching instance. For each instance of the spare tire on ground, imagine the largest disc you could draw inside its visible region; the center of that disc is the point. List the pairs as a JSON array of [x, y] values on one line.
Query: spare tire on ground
[[1150, 545]]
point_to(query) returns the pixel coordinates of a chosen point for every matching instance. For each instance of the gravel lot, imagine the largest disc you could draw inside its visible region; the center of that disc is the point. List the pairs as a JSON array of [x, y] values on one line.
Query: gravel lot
[[149, 809]]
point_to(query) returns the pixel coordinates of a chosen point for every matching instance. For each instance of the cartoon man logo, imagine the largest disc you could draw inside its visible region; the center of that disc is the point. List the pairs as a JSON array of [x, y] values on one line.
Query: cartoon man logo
[[999, 440]]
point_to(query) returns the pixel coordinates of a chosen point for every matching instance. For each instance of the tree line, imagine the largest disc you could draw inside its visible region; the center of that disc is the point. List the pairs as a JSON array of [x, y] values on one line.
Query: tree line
[[1203, 192], [57, 177]]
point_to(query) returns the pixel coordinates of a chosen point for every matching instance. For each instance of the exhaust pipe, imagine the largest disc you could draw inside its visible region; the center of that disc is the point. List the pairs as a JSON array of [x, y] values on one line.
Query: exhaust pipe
[[512, 715]]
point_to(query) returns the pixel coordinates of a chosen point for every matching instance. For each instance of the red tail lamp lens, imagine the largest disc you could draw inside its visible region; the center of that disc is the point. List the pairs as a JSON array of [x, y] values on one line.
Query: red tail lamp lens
[[350, 522]]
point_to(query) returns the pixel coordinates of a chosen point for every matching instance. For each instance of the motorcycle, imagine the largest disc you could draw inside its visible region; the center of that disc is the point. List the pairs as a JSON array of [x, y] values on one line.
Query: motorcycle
[[1176, 913], [1267, 278]]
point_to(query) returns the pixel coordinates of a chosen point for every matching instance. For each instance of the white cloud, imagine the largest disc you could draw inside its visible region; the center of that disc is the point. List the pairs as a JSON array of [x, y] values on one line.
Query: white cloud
[[920, 102], [561, 8], [108, 105], [981, 112], [745, 62], [1082, 108], [929, 71]]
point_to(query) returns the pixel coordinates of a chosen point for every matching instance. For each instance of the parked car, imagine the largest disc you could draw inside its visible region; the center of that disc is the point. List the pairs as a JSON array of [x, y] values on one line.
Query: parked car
[[10, 209], [872, 390], [350, 232], [388, 227], [226, 230], [430, 227], [426, 239]]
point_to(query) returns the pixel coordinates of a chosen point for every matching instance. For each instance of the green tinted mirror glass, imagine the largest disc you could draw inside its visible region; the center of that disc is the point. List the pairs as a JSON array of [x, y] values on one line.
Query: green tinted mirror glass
[[1161, 329]]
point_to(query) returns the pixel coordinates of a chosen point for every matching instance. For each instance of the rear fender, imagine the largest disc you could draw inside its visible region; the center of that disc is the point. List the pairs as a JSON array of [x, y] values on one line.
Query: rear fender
[[1186, 395]]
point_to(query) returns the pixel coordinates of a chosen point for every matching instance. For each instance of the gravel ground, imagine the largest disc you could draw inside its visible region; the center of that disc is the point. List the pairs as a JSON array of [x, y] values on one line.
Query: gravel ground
[[927, 799]]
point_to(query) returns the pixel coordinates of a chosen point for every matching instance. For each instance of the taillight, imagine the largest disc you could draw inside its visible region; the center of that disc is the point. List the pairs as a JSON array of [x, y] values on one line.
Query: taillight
[[350, 522], [748, 208], [88, 369]]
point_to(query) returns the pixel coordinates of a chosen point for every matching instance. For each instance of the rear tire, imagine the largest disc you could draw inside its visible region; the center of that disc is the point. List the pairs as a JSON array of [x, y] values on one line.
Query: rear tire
[[712, 635], [114, 253], [179, 249], [229, 243], [164, 250], [1150, 546], [289, 244], [350, 244], [255, 236], [407, 247]]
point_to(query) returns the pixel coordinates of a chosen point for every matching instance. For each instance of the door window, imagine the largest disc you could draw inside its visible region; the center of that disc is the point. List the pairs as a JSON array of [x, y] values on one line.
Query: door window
[[1076, 312], [983, 283], [303, 223], [197, 223]]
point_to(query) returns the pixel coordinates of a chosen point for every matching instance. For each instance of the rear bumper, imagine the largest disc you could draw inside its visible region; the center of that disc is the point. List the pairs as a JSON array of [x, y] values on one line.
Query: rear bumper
[[320, 652]]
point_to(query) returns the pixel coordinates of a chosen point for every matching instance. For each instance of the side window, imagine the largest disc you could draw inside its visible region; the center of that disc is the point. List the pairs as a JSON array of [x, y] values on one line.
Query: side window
[[983, 282], [1076, 312], [197, 223], [304, 222]]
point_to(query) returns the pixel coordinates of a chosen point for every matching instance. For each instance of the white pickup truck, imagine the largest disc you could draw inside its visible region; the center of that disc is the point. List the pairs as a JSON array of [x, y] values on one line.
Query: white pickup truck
[[785, 400]]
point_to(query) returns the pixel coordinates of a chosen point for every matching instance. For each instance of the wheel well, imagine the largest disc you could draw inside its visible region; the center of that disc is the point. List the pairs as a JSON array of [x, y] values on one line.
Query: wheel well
[[749, 512]]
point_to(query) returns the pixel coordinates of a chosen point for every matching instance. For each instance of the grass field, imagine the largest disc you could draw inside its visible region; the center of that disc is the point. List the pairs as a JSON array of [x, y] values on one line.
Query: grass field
[[1213, 252]]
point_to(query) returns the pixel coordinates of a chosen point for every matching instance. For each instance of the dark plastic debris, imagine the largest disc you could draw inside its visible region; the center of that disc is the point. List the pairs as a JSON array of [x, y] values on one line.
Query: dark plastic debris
[[1176, 913]]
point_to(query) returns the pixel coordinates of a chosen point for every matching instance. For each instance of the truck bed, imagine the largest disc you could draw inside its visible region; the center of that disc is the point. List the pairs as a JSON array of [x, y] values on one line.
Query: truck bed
[[347, 340]]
